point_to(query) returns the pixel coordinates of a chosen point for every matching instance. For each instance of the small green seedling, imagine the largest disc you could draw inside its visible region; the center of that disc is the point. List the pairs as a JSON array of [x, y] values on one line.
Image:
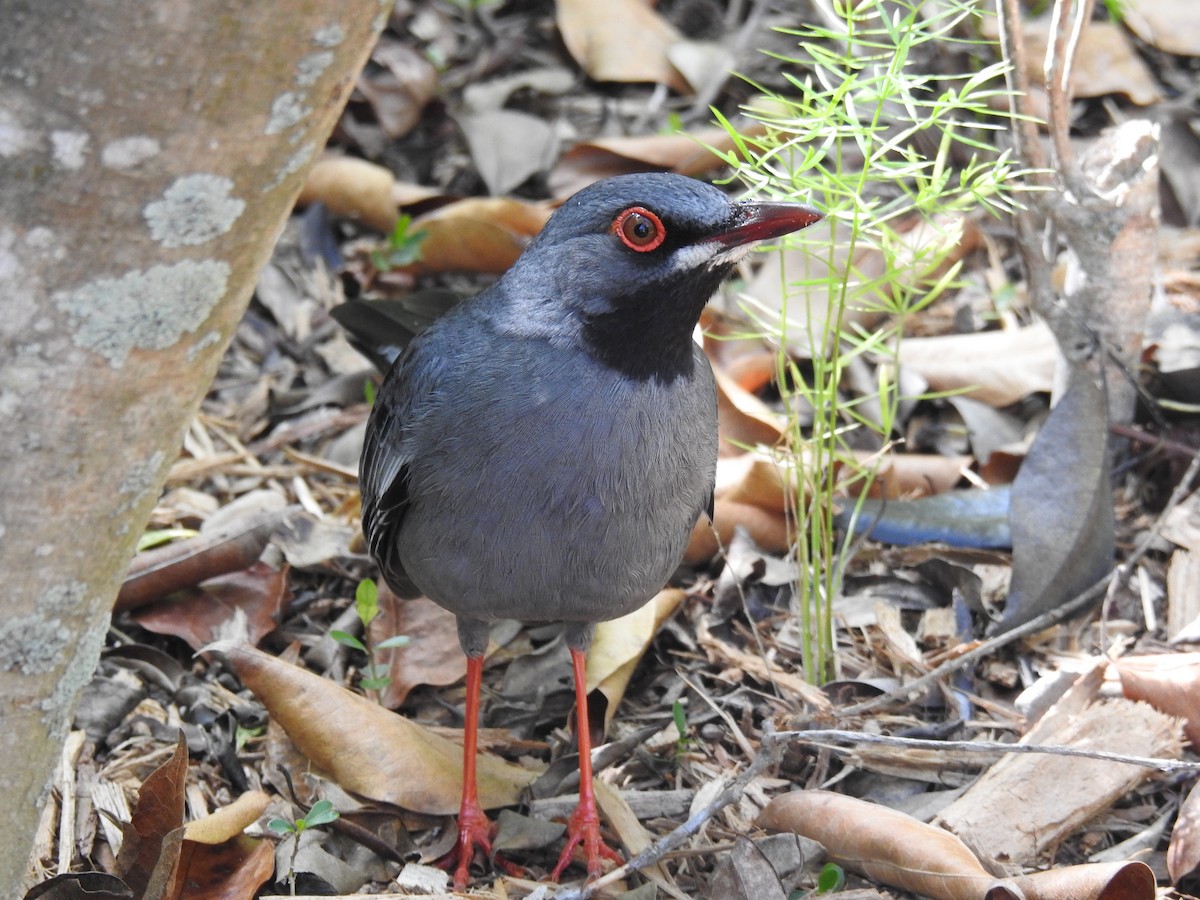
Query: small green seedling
[[320, 813], [679, 712], [403, 247], [832, 878], [366, 605]]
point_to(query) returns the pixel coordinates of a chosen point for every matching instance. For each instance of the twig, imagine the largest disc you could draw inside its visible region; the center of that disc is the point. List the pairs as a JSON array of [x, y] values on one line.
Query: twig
[[834, 737], [1045, 620], [656, 852]]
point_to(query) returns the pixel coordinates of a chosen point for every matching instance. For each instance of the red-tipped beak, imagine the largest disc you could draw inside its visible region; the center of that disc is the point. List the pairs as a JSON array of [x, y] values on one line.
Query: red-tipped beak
[[763, 221]]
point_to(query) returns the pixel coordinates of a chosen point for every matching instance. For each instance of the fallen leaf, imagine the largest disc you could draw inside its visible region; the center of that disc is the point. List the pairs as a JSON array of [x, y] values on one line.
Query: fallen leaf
[[508, 147], [1183, 853], [621, 40], [399, 90], [353, 188], [687, 153], [618, 645], [881, 843], [247, 602], [432, 654], [479, 234], [1170, 682], [1061, 507], [1172, 26], [157, 814], [995, 367], [365, 748]]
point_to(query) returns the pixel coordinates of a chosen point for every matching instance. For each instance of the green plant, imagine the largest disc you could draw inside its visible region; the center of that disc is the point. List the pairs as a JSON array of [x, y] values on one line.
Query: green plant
[[831, 878], [679, 714], [366, 606], [403, 246], [877, 143], [320, 813]]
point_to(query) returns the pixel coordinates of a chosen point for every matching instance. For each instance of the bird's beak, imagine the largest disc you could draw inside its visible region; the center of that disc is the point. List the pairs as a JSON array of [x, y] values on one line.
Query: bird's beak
[[763, 221]]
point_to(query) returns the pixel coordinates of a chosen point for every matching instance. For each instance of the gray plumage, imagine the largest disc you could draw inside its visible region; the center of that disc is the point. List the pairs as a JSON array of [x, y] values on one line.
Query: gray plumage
[[544, 450]]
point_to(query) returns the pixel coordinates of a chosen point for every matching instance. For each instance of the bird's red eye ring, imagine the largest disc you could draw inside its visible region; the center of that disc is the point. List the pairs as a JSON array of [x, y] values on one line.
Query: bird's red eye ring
[[639, 229]]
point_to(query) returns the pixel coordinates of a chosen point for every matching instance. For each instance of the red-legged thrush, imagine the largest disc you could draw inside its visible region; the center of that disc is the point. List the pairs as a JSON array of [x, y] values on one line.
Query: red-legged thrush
[[543, 451]]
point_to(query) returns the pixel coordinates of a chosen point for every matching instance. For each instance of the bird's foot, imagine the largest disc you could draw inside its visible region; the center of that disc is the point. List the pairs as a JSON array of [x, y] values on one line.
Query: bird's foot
[[584, 828], [474, 832]]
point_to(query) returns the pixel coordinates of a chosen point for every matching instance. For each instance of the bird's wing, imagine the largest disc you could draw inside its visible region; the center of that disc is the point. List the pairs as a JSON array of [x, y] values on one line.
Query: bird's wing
[[388, 450]]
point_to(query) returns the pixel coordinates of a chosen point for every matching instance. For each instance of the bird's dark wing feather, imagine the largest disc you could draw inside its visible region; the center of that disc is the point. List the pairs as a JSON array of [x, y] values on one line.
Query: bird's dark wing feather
[[388, 449]]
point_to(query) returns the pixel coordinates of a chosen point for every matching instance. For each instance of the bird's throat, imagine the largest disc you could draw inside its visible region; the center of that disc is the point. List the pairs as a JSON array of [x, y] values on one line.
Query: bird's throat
[[648, 334]]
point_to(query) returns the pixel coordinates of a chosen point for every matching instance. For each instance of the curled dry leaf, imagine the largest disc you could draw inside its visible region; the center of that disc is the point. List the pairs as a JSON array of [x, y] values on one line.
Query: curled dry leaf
[[365, 748], [353, 189], [1170, 682], [1060, 509], [148, 848], [1172, 26], [742, 418], [479, 234], [691, 153], [881, 843], [1183, 854], [621, 40], [1099, 881], [228, 821], [619, 644], [432, 654], [995, 367]]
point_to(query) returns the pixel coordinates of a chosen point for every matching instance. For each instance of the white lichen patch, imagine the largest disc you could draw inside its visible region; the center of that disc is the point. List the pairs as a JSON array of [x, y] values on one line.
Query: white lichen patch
[[15, 138], [329, 36], [193, 210], [33, 644], [148, 310], [205, 341], [286, 111], [69, 148], [294, 163], [125, 153], [311, 67]]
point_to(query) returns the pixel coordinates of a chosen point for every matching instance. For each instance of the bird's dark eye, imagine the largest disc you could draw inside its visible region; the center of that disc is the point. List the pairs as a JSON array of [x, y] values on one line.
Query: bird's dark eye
[[639, 229]]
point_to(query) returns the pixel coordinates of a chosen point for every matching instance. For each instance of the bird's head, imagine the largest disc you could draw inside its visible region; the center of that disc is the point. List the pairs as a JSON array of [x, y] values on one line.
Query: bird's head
[[634, 259]]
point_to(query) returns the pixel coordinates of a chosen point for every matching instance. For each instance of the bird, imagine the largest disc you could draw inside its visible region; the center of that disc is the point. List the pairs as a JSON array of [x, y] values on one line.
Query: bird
[[543, 451]]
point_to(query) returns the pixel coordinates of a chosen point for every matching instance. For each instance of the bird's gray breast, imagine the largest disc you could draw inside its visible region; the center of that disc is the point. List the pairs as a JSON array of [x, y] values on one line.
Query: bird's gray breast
[[557, 489]]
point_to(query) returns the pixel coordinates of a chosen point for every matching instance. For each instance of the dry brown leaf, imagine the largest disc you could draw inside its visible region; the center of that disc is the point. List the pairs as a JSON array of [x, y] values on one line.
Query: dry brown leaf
[[148, 849], [399, 90], [997, 367], [1099, 881], [479, 234], [247, 602], [353, 189], [432, 655], [881, 843], [685, 154], [742, 419], [1183, 854], [620, 40], [768, 529], [234, 868], [912, 475], [365, 748], [228, 821], [1169, 682], [1172, 26], [619, 644]]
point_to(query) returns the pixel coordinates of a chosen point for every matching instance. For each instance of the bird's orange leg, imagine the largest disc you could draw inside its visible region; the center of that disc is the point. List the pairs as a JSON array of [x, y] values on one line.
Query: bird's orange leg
[[474, 829], [584, 825]]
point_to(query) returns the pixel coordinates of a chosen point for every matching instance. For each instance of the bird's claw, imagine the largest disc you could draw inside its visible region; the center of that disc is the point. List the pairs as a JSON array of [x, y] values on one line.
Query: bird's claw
[[474, 832], [584, 828]]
